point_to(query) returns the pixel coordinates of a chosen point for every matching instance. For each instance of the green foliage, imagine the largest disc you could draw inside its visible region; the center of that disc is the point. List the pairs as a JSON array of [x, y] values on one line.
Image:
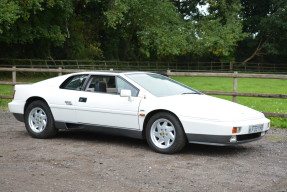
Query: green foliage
[[9, 13], [154, 26], [142, 29], [38, 20], [266, 22], [220, 30]]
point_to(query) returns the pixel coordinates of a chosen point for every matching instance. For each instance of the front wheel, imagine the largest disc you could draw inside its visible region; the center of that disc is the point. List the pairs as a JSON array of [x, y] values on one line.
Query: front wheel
[[39, 120], [165, 134]]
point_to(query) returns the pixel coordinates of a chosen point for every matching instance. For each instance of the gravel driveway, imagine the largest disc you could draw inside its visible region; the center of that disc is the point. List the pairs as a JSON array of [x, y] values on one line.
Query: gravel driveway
[[77, 161]]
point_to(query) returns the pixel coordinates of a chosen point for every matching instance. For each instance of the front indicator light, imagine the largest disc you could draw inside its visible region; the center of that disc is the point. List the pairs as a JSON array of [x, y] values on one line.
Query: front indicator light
[[236, 129], [233, 139]]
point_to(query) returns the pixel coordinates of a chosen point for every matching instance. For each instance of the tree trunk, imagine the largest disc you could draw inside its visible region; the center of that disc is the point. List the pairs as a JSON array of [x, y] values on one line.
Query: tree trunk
[[257, 51]]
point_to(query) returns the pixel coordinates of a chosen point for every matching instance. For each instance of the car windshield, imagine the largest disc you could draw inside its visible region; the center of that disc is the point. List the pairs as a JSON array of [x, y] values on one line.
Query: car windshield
[[160, 85]]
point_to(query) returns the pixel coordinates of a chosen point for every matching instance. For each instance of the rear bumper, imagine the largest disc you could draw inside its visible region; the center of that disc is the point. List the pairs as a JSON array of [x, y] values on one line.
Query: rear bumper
[[17, 106], [19, 117], [224, 140]]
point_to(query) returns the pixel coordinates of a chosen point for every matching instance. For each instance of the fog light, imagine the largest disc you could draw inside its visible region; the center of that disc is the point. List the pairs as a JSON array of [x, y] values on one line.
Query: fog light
[[233, 139], [263, 133]]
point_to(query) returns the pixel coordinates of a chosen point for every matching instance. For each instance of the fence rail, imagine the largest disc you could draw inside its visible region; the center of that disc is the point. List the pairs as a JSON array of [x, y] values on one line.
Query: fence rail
[[234, 75], [231, 75], [147, 65]]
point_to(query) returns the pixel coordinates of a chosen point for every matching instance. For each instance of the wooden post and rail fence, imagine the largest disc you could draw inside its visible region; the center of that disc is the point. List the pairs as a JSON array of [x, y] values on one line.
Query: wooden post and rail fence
[[234, 75]]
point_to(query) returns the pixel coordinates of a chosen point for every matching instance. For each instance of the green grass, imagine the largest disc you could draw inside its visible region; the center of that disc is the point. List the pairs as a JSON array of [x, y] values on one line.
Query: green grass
[[248, 85], [8, 89], [275, 86]]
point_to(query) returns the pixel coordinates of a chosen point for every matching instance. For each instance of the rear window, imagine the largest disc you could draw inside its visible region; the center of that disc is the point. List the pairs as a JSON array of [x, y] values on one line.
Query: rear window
[[74, 83]]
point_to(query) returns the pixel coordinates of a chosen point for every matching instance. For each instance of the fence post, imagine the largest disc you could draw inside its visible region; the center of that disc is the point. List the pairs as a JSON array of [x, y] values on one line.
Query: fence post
[[235, 83], [230, 66], [60, 72], [14, 74], [168, 72]]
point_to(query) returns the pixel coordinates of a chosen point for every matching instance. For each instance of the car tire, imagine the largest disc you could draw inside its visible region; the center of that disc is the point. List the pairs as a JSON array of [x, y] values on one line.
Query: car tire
[[164, 133], [39, 120]]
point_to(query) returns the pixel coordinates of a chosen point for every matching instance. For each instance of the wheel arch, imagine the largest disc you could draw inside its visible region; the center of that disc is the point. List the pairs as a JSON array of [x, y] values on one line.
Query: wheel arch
[[32, 99], [152, 113]]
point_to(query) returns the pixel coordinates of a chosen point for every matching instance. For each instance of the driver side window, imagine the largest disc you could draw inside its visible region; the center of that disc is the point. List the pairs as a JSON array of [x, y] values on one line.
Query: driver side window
[[74, 82], [109, 84]]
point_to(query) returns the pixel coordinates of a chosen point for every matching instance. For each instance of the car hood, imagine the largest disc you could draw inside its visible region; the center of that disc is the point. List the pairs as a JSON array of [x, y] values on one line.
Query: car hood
[[209, 108]]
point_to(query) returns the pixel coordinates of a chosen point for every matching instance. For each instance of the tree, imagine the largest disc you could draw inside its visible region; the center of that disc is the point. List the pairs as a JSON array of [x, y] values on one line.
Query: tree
[[148, 27], [34, 27], [9, 13], [142, 29], [266, 22], [217, 32]]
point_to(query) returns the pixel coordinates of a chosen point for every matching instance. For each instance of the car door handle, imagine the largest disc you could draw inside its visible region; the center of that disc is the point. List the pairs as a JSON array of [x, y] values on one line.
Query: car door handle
[[83, 99]]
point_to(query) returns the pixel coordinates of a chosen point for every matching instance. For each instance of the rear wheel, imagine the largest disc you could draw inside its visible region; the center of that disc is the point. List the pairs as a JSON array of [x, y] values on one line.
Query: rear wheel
[[165, 134], [39, 120]]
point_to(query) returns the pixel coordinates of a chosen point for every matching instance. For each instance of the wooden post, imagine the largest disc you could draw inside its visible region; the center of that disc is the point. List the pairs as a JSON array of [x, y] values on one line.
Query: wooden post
[[77, 64], [230, 66], [14, 75], [167, 72], [211, 66], [234, 99], [60, 72]]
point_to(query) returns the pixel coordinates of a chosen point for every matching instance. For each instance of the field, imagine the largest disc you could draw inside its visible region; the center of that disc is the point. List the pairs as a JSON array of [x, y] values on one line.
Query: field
[[248, 85], [275, 86], [8, 89]]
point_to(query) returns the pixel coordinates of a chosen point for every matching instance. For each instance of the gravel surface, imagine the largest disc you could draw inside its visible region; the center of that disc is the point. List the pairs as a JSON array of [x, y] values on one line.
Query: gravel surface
[[81, 161]]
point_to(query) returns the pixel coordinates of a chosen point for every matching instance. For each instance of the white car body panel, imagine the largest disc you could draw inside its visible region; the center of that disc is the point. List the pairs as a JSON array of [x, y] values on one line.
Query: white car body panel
[[108, 110], [198, 114], [61, 111]]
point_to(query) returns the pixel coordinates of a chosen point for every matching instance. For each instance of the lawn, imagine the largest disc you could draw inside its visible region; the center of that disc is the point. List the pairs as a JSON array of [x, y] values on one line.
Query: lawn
[[8, 89], [275, 86], [248, 85]]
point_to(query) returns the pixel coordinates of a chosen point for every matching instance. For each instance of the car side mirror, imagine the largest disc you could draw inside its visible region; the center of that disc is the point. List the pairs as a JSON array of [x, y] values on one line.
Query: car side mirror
[[126, 93]]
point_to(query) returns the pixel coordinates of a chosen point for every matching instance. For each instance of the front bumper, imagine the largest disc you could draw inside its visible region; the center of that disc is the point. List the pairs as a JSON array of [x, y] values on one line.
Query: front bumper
[[224, 140], [220, 132]]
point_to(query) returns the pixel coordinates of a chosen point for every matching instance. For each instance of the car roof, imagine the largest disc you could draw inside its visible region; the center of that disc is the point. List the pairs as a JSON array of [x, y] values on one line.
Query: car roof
[[111, 72]]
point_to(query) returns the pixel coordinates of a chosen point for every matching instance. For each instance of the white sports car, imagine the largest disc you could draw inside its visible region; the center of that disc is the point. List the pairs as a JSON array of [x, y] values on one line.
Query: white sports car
[[136, 104]]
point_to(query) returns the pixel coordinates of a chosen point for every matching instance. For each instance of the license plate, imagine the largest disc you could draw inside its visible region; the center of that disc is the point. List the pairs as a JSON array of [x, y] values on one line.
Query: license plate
[[255, 128]]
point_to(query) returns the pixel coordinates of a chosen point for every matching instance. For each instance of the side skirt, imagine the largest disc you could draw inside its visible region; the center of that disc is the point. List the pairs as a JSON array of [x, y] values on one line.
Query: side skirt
[[101, 129]]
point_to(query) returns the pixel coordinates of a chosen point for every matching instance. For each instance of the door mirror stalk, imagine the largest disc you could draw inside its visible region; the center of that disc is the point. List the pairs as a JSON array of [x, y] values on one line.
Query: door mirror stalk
[[126, 93]]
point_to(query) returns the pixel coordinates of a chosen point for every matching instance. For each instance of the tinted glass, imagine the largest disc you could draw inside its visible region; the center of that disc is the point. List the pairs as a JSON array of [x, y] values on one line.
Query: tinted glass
[[109, 84], [74, 82], [122, 84], [160, 85], [103, 84]]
